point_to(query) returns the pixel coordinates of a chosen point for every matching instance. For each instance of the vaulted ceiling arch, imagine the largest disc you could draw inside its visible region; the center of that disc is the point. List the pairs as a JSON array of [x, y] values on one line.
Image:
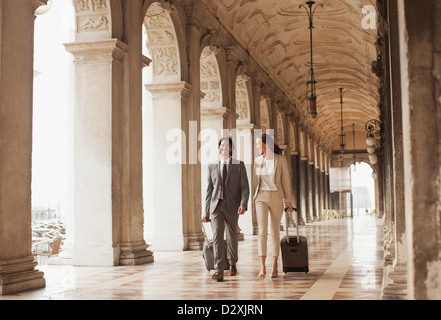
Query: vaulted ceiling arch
[[276, 35]]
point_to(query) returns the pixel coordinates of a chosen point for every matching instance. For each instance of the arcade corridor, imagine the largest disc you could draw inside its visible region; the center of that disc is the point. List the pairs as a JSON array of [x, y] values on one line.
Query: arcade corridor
[[151, 79]]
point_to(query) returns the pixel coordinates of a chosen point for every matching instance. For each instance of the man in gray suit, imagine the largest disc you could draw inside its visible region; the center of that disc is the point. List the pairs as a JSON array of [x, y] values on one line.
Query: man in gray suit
[[226, 198]]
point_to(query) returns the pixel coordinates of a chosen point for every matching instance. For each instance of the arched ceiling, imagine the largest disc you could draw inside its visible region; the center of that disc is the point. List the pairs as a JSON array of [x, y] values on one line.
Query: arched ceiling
[[276, 34]]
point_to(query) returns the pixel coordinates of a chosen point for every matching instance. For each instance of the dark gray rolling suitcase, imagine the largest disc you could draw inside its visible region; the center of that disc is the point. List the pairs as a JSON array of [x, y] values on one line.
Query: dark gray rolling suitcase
[[207, 252], [294, 250]]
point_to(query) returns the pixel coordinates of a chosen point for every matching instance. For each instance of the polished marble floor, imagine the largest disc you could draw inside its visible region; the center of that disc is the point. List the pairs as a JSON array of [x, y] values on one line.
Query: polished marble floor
[[345, 262]]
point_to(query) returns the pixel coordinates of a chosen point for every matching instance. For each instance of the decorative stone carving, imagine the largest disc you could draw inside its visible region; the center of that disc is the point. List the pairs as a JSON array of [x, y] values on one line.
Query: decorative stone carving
[[242, 104], [210, 82], [162, 42], [92, 15], [82, 5], [242, 110], [264, 116], [99, 4], [95, 23], [165, 61]]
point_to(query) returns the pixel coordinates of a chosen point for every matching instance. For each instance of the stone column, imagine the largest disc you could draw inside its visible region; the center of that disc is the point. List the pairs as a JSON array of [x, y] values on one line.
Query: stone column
[[96, 92], [322, 194], [17, 265], [108, 172], [256, 91], [306, 177], [295, 181], [192, 206], [317, 194], [229, 93], [164, 214], [298, 185], [379, 187], [312, 179], [396, 285], [304, 195], [310, 184], [130, 200], [326, 188]]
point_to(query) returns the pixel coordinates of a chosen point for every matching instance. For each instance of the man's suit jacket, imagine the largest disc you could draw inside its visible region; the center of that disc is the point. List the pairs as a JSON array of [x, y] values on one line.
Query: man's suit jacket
[[237, 190], [281, 176]]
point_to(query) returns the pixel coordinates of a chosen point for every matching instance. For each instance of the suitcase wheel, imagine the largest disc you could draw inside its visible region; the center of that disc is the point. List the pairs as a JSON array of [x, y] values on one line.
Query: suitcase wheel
[[286, 270]]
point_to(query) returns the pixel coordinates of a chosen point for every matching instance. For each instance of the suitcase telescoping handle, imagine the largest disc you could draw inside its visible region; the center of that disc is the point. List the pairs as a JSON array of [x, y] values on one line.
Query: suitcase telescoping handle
[[203, 230], [297, 225]]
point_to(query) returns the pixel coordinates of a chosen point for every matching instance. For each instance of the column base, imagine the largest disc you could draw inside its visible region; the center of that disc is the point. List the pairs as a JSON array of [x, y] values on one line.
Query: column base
[[397, 288], [395, 291], [20, 276], [135, 254], [195, 241]]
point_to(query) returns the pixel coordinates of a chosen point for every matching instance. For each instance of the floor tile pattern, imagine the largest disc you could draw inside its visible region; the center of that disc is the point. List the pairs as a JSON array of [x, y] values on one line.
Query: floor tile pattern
[[345, 262]]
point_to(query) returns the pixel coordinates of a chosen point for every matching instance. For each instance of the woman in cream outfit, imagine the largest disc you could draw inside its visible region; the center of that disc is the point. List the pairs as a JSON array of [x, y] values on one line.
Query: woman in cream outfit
[[272, 193]]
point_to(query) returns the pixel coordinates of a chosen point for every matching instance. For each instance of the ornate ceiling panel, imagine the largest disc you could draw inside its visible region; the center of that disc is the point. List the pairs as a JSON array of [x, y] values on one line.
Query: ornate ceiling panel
[[276, 34]]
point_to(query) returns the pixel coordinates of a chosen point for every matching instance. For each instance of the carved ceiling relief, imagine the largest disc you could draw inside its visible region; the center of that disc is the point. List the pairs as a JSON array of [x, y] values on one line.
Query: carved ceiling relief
[[276, 34], [92, 15], [162, 42]]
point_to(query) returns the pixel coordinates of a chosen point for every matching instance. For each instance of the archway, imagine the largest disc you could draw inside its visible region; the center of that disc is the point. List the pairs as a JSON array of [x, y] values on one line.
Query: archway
[[352, 188], [363, 189]]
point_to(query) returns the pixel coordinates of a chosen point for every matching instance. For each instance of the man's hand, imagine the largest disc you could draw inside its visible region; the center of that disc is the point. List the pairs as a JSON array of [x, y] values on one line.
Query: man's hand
[[241, 210], [206, 217]]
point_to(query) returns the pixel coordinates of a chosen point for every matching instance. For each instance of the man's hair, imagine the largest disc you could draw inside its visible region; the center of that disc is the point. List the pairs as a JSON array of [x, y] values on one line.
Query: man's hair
[[230, 141]]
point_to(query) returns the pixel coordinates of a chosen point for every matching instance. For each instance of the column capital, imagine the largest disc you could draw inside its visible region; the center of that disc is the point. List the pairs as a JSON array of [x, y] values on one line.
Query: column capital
[[96, 51], [179, 89]]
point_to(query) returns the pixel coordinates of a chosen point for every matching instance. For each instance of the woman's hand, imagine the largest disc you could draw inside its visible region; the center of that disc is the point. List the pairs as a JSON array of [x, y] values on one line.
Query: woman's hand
[[289, 206], [241, 210]]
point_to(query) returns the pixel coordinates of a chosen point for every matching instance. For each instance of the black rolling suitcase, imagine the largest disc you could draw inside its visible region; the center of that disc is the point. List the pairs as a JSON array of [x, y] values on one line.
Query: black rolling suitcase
[[294, 250], [207, 252]]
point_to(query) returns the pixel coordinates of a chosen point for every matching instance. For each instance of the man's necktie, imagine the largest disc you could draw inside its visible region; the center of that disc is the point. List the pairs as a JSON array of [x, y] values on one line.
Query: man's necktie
[[224, 179]]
